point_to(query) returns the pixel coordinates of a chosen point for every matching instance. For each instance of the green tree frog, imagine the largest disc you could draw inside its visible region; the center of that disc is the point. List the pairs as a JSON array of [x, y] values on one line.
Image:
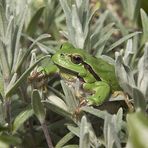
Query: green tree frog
[[95, 76]]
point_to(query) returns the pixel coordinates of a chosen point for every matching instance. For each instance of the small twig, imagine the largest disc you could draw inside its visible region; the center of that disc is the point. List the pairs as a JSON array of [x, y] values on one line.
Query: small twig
[[47, 136], [8, 111]]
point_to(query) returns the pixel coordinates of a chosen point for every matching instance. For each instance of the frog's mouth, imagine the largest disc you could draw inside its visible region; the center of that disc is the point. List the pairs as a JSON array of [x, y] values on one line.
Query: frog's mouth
[[69, 74]]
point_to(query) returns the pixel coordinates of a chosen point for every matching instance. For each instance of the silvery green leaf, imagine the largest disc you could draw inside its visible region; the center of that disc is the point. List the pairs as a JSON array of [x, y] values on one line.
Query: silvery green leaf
[[131, 8], [64, 140], [103, 40], [8, 39], [37, 106], [7, 140], [71, 146], [79, 36], [3, 22], [56, 92], [94, 142], [123, 39], [104, 35], [12, 81], [117, 120], [139, 100], [84, 133], [57, 105], [67, 11], [21, 118], [118, 22], [64, 33], [43, 47], [143, 72], [22, 77], [34, 20], [97, 28], [57, 101], [128, 52], [110, 135], [20, 54], [74, 130], [71, 101], [83, 10], [138, 132], [144, 19], [34, 42], [95, 112], [100, 22], [1, 86], [124, 75], [108, 59], [17, 35], [3, 60]]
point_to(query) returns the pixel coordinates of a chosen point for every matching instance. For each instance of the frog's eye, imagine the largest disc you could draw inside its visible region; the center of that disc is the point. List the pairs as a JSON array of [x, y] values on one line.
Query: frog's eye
[[76, 59]]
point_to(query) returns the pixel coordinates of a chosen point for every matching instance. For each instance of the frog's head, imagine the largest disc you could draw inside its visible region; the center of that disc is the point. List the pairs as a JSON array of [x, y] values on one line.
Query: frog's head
[[70, 59]]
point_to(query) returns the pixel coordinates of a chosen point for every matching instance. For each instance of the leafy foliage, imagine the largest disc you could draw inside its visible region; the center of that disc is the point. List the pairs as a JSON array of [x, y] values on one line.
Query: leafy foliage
[[48, 114]]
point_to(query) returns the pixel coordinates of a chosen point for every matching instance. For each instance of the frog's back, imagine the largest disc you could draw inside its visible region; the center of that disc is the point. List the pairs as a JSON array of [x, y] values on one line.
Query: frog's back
[[106, 72]]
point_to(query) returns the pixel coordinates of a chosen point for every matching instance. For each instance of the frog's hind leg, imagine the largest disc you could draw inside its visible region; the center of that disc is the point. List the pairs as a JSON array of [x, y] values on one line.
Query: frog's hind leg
[[100, 92]]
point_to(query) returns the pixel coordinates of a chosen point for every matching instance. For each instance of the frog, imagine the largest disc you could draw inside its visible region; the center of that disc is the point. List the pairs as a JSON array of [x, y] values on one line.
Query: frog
[[94, 75]]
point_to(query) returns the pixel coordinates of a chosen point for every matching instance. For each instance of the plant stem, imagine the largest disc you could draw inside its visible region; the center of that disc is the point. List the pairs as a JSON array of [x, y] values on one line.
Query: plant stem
[[8, 111], [47, 136]]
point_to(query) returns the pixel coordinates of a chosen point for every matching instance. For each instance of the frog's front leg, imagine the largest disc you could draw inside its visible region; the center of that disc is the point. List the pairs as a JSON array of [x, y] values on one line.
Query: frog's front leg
[[100, 92]]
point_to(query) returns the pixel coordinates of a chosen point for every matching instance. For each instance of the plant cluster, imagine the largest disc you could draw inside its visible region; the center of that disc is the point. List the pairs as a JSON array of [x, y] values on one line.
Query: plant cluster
[[47, 113]]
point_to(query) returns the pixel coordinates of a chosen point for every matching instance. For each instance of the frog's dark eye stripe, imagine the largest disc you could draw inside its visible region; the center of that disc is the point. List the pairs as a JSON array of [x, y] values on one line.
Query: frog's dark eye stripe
[[76, 59], [89, 68]]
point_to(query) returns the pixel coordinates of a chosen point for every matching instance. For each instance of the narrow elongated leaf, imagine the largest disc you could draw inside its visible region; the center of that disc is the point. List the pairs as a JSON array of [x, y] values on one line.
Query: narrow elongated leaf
[[34, 21], [79, 36], [8, 39], [138, 133], [9, 139], [84, 133], [21, 118], [17, 36], [139, 99], [3, 22], [58, 108], [64, 140], [124, 75], [74, 130], [70, 98], [95, 112], [111, 137], [131, 8], [17, 67], [67, 12], [71, 146], [38, 106], [22, 78], [128, 52], [143, 71], [144, 19], [123, 39]]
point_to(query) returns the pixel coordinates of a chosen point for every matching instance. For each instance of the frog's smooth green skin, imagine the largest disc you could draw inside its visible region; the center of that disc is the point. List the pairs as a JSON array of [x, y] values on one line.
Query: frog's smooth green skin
[[97, 74]]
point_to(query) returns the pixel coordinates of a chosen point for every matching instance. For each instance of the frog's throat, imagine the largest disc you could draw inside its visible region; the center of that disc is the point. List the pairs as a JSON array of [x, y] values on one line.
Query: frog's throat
[[68, 74]]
